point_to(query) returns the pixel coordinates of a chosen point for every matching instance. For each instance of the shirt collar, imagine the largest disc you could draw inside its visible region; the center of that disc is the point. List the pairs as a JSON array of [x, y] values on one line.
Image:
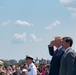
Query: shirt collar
[[60, 47], [67, 49]]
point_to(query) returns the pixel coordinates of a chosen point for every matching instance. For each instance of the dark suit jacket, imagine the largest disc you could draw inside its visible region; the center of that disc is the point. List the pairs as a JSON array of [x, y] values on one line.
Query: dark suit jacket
[[74, 67], [67, 62], [55, 62]]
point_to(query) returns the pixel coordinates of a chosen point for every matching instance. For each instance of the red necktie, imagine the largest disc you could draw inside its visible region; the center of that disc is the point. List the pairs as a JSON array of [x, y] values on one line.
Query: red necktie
[[56, 51]]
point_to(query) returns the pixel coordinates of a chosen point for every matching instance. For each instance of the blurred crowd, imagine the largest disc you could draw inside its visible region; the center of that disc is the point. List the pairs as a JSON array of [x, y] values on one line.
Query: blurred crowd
[[42, 69]]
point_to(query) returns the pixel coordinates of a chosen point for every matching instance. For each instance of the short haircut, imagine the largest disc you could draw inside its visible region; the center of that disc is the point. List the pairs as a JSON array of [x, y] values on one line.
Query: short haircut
[[68, 40], [58, 37]]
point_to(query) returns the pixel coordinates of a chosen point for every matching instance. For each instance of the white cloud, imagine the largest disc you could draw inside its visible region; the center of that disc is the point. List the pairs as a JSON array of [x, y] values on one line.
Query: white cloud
[[73, 14], [18, 38], [65, 1], [34, 38], [6, 23], [25, 23], [54, 24], [70, 5], [72, 8]]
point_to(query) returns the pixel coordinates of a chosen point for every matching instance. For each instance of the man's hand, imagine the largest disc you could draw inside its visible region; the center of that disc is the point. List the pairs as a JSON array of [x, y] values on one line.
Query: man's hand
[[52, 43]]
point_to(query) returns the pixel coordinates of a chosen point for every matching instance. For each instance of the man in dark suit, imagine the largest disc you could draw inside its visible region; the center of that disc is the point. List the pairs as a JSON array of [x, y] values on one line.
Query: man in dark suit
[[74, 67], [68, 58], [56, 55]]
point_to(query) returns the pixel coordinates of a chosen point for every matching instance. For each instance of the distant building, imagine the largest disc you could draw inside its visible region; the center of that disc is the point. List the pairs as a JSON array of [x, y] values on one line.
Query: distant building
[[21, 60], [12, 61]]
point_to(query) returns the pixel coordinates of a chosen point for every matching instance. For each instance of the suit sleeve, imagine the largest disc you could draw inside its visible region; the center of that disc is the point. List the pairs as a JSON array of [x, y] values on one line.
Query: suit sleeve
[[75, 67], [70, 63], [51, 50]]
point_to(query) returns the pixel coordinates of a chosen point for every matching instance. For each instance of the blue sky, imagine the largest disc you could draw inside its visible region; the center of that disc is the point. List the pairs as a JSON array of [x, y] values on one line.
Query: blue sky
[[28, 26]]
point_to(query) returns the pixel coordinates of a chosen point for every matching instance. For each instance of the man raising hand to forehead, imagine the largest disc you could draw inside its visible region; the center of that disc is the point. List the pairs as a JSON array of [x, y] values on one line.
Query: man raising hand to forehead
[[56, 55]]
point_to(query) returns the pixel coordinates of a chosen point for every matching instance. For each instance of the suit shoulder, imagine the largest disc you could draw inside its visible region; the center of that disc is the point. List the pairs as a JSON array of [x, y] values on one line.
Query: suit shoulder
[[61, 50], [71, 54]]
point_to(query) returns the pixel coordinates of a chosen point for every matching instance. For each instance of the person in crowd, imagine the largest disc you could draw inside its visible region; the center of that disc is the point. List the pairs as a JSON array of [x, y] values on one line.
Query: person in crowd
[[47, 68], [24, 72], [39, 69], [56, 55], [32, 70], [2, 72], [43, 69], [17, 71], [68, 58], [7, 70]]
